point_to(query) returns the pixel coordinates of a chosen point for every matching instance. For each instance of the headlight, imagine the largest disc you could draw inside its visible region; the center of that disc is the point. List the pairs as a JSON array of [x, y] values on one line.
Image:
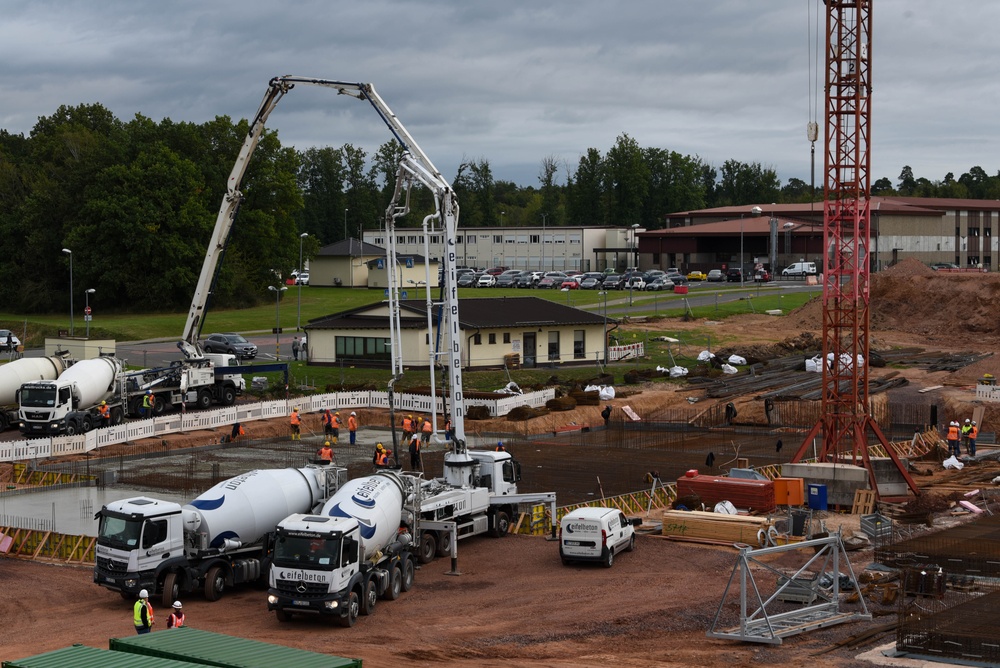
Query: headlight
[[131, 583], [272, 599], [331, 605]]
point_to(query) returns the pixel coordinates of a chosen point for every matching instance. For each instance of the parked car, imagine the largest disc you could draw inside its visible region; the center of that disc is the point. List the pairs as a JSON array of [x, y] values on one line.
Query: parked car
[[696, 275], [590, 283], [660, 283], [551, 279], [486, 281], [8, 341], [231, 343], [634, 282], [569, 283], [799, 269], [302, 278], [496, 271], [524, 279], [467, 280], [944, 265], [715, 276], [678, 278], [506, 280], [613, 282], [762, 276], [596, 534], [734, 275], [653, 274]]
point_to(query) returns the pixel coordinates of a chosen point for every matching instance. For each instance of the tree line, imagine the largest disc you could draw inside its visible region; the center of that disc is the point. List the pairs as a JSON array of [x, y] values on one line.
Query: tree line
[[136, 202]]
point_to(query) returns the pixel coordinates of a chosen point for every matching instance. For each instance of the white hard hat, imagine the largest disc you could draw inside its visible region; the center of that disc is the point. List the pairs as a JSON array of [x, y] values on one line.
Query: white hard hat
[[967, 419], [353, 413], [973, 422], [143, 594], [177, 605]]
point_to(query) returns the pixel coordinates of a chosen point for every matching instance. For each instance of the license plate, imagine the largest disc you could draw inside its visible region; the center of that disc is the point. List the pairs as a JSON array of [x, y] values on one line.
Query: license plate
[[573, 543], [107, 579], [306, 603]]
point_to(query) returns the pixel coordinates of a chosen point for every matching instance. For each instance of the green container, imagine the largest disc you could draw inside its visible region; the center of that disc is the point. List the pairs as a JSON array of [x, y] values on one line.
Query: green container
[[81, 656], [217, 649]]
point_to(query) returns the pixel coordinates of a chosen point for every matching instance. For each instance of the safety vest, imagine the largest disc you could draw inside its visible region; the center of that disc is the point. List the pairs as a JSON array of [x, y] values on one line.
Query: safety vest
[[352, 423], [175, 621], [427, 427], [148, 401], [407, 424], [337, 423], [326, 454], [974, 431], [295, 417], [328, 419], [966, 428], [381, 459], [447, 425], [137, 613], [952, 433], [105, 411]]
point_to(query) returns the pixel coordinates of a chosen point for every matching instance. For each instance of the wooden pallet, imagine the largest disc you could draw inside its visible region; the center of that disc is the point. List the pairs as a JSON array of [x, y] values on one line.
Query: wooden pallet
[[864, 502]]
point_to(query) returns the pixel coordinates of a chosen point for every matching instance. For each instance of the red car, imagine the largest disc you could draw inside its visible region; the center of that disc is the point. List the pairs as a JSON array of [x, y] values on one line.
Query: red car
[[762, 276], [570, 284]]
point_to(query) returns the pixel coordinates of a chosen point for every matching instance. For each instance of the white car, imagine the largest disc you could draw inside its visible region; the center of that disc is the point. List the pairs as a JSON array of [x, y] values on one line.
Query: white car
[[302, 279], [8, 341], [596, 534], [486, 281]]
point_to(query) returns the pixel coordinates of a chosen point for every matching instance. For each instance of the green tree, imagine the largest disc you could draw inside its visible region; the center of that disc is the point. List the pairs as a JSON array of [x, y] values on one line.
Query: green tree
[[626, 182], [586, 191]]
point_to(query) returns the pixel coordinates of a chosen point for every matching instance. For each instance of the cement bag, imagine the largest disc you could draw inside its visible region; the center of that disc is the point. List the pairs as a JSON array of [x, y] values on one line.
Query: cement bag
[[726, 508], [607, 393], [736, 359], [815, 364], [727, 368], [953, 463], [678, 371], [705, 356]]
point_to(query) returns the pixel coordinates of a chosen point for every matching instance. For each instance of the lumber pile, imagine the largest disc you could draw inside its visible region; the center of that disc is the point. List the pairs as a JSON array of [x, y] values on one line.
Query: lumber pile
[[697, 525]]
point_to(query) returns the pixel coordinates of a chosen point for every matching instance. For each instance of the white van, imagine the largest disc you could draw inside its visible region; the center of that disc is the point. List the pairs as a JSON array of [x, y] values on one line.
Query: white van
[[799, 269], [595, 534]]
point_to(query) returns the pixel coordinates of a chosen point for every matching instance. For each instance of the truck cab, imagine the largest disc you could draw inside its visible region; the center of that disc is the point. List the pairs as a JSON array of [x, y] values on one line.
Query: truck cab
[[499, 472]]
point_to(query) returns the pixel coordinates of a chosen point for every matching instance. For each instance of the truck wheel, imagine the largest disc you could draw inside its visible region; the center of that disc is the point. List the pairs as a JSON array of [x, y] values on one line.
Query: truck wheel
[[391, 592], [407, 583], [444, 544], [501, 524], [215, 583], [370, 598], [160, 406], [72, 428], [135, 407], [228, 395], [171, 590], [204, 399], [282, 616], [353, 605], [428, 548], [86, 425], [117, 416], [631, 544], [609, 558]]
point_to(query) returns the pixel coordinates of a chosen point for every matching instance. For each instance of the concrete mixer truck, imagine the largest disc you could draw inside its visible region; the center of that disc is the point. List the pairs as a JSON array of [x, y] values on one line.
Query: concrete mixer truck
[[15, 374], [220, 539], [68, 404]]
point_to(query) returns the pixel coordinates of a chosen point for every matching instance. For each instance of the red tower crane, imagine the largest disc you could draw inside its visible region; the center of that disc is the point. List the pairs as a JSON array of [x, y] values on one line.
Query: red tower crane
[[846, 412]]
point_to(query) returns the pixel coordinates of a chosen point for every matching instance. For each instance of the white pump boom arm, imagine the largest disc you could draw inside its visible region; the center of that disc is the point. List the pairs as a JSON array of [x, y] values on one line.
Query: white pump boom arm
[[414, 163]]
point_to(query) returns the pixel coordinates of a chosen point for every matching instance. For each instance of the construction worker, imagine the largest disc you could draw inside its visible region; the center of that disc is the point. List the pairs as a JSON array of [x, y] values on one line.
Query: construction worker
[[105, 414], [327, 423], [295, 348], [973, 433], [500, 447], [447, 429], [606, 414], [337, 424], [148, 404], [296, 423], [237, 431], [381, 457], [953, 436], [352, 426], [407, 428], [142, 613], [176, 618], [425, 431], [966, 428], [325, 453], [415, 452]]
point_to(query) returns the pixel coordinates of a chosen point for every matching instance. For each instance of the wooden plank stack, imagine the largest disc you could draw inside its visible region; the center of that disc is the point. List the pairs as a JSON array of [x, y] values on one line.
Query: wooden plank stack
[[697, 525]]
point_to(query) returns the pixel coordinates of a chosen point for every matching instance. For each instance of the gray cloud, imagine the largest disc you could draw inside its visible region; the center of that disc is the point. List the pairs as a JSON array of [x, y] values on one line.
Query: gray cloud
[[519, 81]]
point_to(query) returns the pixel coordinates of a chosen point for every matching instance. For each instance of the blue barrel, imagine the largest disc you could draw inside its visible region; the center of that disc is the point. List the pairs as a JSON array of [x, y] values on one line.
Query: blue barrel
[[817, 496]]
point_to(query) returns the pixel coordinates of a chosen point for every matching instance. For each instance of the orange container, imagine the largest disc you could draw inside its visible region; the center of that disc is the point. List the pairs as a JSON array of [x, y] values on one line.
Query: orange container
[[789, 491], [680, 289]]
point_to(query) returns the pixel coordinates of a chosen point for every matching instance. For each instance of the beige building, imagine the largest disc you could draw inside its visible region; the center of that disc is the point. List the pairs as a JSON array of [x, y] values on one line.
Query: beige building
[[527, 331]]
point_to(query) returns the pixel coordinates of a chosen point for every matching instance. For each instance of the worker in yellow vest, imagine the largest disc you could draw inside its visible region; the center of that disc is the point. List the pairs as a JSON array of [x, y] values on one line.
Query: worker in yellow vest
[[142, 613]]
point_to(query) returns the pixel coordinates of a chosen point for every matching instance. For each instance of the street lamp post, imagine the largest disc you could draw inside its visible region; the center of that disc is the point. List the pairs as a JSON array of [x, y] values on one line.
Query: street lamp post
[[605, 293], [502, 214], [277, 319], [70, 253], [298, 279], [542, 267], [86, 307], [755, 211], [635, 248]]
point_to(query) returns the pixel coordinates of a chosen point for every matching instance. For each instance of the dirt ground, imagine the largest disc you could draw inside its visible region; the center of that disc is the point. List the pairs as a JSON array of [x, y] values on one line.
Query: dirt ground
[[514, 604]]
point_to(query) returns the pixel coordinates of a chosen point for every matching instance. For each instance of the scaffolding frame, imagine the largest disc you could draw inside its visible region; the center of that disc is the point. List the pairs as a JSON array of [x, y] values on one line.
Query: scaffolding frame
[[767, 626]]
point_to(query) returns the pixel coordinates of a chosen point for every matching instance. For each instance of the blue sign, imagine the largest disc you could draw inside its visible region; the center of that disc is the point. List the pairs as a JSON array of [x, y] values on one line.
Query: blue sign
[[380, 264], [403, 295], [409, 263]]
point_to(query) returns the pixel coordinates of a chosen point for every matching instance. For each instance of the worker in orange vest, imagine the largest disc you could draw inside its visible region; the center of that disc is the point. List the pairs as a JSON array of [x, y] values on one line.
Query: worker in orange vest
[[176, 618], [325, 453], [425, 431], [953, 436], [407, 428], [105, 414], [296, 423], [381, 458], [972, 439], [447, 429], [352, 426]]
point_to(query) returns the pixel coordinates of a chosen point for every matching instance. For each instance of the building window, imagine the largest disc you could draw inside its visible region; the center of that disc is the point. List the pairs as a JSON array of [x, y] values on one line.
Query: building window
[[412, 239], [535, 238], [493, 339], [379, 241], [363, 348], [553, 346], [506, 337], [579, 344], [477, 339], [498, 238]]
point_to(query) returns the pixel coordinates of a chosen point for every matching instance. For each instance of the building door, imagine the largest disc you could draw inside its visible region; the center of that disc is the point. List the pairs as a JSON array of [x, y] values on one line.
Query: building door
[[530, 350]]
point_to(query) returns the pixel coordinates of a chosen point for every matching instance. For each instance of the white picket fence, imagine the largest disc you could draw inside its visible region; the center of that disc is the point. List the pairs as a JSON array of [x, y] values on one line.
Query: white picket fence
[[627, 352], [134, 430]]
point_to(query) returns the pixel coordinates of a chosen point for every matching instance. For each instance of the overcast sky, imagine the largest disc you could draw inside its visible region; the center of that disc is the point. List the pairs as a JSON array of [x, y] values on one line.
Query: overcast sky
[[515, 82]]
